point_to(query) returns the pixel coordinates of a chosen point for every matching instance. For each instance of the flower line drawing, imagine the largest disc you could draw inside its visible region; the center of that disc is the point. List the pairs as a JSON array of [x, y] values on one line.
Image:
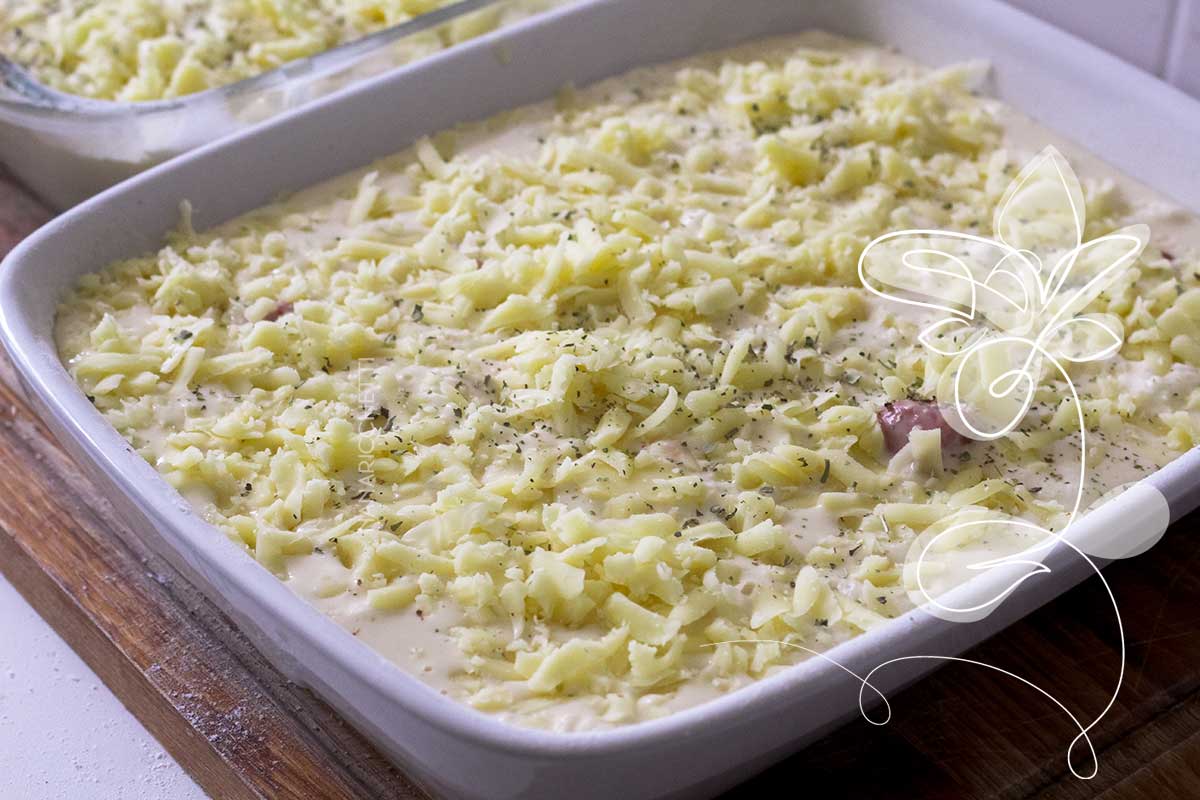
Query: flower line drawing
[[1010, 310], [1013, 309]]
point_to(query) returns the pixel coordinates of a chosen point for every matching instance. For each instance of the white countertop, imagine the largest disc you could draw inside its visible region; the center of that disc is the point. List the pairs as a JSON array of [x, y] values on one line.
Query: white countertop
[[62, 732]]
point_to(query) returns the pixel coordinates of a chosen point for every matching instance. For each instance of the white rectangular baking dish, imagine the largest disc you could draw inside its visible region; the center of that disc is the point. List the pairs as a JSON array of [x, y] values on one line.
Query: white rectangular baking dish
[[1137, 123]]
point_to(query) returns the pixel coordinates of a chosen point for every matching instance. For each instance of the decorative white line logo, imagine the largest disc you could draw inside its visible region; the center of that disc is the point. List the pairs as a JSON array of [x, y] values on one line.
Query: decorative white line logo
[[1012, 311]]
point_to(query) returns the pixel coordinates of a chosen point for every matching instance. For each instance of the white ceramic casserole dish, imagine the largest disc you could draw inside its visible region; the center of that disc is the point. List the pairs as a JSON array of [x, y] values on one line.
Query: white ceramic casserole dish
[[454, 750]]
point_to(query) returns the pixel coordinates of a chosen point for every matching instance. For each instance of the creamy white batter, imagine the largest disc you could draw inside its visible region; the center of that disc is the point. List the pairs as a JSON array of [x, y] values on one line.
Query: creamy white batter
[[482, 403]]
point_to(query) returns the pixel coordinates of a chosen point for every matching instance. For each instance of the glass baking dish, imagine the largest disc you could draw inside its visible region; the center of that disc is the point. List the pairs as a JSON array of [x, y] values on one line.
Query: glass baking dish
[[67, 148]]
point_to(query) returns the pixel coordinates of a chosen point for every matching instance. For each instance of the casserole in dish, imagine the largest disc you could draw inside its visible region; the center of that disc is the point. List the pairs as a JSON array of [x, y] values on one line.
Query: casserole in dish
[[96, 91], [451, 748]]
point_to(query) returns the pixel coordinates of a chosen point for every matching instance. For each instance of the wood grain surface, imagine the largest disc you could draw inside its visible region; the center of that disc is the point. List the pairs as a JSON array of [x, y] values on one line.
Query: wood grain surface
[[243, 731]]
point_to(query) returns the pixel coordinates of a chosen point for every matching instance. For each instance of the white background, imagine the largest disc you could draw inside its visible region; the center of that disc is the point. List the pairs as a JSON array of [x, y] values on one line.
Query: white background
[[64, 734]]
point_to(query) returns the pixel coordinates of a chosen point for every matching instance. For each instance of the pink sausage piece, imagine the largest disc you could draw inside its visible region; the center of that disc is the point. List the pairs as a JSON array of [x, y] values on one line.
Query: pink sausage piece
[[278, 311], [897, 420]]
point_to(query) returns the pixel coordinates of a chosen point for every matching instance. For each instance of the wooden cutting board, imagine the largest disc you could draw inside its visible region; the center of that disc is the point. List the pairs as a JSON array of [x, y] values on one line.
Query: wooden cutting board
[[243, 731]]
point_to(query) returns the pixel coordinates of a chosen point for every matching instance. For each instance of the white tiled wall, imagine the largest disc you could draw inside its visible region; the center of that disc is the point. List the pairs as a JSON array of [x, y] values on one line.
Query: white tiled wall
[[1160, 36], [1183, 52]]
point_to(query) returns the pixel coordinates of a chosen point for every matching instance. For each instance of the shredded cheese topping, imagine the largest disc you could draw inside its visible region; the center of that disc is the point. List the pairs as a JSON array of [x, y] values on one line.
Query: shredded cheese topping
[[137, 50], [591, 389]]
